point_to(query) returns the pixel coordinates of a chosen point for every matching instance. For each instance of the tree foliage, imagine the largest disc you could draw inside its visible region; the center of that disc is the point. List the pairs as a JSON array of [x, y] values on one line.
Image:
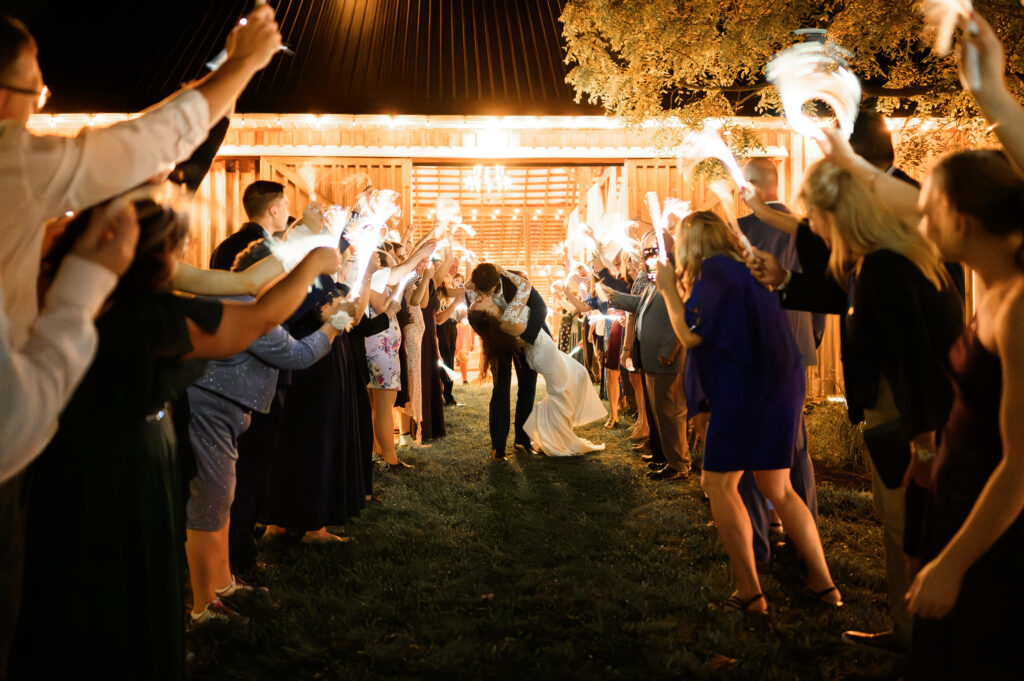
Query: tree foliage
[[673, 61]]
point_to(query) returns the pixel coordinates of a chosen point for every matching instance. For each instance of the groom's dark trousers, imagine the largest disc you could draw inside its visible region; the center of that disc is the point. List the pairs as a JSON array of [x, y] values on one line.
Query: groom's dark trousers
[[527, 377]]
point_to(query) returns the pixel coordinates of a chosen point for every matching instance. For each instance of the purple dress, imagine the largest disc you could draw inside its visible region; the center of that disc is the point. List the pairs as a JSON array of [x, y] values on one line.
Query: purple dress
[[747, 367]]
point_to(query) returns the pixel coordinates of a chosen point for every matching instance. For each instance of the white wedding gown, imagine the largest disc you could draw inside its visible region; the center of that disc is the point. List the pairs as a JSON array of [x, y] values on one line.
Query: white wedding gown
[[571, 401]]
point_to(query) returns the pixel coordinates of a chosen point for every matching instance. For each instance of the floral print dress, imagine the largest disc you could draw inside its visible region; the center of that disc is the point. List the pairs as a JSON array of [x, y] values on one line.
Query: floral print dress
[[382, 355]]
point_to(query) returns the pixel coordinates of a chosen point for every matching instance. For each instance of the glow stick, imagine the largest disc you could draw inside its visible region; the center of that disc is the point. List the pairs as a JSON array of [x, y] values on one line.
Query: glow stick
[[577, 349], [720, 190], [402, 285], [222, 56], [470, 232], [376, 207], [815, 71], [291, 251], [308, 176], [660, 216], [451, 374], [708, 143], [447, 212], [942, 16], [614, 231]]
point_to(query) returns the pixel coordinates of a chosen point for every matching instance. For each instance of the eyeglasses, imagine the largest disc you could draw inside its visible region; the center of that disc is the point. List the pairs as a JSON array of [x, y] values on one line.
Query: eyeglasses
[[42, 95]]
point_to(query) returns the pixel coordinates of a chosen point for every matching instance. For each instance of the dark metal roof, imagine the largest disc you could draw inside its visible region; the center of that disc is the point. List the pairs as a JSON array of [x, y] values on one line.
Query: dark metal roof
[[436, 57]]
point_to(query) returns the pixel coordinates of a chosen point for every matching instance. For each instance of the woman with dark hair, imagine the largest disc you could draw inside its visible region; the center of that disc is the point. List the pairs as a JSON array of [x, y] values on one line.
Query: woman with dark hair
[[571, 400], [113, 463]]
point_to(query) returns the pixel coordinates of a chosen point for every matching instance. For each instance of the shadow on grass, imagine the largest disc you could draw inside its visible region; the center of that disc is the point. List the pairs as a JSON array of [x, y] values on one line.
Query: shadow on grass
[[537, 568]]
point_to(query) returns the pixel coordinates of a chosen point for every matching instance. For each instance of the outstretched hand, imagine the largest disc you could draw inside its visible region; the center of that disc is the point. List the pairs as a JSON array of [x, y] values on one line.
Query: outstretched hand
[[256, 39], [978, 33], [111, 236], [837, 148], [766, 268]]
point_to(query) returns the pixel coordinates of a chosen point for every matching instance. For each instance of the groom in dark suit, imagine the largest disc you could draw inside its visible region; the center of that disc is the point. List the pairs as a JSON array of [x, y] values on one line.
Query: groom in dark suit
[[487, 280]]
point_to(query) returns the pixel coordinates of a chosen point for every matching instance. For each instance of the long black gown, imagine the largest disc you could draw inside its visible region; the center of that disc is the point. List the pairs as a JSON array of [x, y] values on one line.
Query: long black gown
[[433, 406], [104, 574], [317, 476]]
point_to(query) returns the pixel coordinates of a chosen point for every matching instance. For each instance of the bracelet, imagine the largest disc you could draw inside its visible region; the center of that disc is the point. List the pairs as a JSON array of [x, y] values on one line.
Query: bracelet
[[785, 280]]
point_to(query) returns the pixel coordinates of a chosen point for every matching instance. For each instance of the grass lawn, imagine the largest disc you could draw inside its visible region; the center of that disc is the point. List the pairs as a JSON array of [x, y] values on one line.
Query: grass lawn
[[539, 568]]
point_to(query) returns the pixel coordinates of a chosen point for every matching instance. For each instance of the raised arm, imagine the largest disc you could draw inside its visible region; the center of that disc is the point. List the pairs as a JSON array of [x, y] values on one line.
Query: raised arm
[[782, 221], [224, 283], [666, 282], [243, 323]]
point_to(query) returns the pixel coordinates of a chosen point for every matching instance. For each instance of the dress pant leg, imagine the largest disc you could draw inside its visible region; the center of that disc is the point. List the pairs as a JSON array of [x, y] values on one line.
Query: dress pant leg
[[890, 510], [670, 407], [654, 440], [760, 516], [446, 348], [13, 516], [498, 409], [526, 377]]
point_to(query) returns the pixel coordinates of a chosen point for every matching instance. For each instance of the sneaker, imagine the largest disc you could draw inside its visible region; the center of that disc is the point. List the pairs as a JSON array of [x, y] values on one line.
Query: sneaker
[[238, 587], [216, 611]]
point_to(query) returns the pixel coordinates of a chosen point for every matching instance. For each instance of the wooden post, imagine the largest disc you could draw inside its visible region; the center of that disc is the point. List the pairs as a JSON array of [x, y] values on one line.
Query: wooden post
[[528, 249]]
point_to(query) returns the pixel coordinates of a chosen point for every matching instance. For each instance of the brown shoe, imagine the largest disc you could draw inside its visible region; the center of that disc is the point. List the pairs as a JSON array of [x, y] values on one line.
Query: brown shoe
[[670, 474]]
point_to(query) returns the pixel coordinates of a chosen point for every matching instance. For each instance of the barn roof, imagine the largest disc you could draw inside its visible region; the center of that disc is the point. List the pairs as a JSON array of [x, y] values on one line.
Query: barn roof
[[428, 57]]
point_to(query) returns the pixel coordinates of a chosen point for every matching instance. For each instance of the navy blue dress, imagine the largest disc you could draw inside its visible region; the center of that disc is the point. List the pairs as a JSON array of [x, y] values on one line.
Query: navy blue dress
[[747, 368]]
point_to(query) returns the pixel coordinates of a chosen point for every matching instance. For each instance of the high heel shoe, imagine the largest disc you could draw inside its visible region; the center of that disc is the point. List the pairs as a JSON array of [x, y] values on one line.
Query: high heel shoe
[[609, 424], [398, 467]]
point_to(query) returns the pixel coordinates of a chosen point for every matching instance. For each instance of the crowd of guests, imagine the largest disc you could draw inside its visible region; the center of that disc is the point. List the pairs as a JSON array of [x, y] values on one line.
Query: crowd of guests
[[285, 377], [721, 336], [179, 407]]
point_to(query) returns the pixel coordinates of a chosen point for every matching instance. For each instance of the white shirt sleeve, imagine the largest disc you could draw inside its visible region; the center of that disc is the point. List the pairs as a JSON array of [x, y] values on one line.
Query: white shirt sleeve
[[75, 173], [39, 378]]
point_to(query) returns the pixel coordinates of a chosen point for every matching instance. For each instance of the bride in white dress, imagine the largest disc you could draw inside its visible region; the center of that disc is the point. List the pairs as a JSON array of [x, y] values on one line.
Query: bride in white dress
[[571, 399]]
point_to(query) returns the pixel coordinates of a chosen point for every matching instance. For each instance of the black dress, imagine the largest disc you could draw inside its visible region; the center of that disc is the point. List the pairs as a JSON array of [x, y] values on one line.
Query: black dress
[[317, 478], [103, 581], [981, 637], [433, 407]]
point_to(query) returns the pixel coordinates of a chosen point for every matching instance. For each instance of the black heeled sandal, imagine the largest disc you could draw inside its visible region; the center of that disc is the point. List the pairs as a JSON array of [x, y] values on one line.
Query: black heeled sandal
[[820, 595], [738, 604]]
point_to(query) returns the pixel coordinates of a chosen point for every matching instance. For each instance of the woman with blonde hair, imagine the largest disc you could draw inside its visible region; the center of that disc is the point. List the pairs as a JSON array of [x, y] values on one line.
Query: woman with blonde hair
[[899, 317], [744, 362]]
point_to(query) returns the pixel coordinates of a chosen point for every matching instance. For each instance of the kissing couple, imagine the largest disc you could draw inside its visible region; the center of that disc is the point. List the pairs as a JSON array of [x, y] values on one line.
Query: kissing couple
[[508, 315]]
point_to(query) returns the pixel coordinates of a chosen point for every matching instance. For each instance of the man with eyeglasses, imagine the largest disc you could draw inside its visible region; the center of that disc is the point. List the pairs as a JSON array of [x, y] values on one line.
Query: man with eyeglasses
[[44, 356]]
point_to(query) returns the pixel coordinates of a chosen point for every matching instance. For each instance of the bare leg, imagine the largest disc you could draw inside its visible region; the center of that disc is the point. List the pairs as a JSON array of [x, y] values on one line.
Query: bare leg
[[613, 395], [384, 423], [800, 527], [207, 555], [735, 532], [641, 429]]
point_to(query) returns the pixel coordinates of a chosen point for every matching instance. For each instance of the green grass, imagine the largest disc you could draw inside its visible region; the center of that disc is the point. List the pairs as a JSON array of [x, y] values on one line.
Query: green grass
[[541, 568]]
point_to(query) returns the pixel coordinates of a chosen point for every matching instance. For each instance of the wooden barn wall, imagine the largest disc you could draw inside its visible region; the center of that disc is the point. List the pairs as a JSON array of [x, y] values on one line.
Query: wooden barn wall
[[665, 177]]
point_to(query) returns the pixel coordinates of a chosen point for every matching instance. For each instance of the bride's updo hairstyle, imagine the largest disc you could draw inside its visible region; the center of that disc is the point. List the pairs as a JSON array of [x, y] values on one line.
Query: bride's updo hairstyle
[[982, 186], [861, 224]]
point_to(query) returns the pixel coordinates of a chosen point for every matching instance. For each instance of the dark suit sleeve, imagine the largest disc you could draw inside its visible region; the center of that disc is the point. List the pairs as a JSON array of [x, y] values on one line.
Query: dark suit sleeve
[[614, 283], [192, 172], [812, 251], [538, 312]]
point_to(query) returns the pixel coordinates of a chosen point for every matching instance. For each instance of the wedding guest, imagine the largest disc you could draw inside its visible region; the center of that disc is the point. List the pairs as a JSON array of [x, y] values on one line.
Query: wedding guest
[[899, 317], [464, 345], [974, 538], [222, 401], [660, 354], [412, 343], [117, 466], [640, 433], [43, 176], [746, 364], [433, 405], [447, 331], [762, 174], [266, 206]]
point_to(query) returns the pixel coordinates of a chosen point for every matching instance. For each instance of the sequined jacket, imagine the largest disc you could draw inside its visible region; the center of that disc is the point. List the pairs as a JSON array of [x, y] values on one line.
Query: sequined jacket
[[250, 377]]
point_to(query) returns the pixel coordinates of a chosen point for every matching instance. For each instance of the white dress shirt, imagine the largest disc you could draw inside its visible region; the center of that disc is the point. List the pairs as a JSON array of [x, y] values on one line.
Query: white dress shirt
[[41, 177], [39, 378]]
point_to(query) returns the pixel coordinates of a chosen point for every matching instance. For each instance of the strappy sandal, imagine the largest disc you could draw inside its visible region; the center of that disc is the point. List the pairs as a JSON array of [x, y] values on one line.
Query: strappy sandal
[[820, 595], [738, 604]]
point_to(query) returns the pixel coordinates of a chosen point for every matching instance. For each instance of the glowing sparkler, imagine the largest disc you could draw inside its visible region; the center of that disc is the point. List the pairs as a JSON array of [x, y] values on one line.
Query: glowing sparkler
[[575, 350], [222, 56], [721, 190], [942, 16], [292, 250], [308, 176], [375, 207], [612, 235], [815, 71], [451, 373], [660, 216], [708, 143]]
